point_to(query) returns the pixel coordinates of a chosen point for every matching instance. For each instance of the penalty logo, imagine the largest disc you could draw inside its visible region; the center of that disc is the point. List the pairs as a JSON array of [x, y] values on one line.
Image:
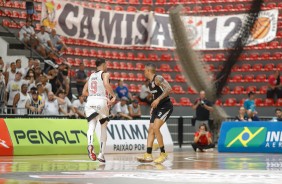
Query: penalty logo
[[245, 136]]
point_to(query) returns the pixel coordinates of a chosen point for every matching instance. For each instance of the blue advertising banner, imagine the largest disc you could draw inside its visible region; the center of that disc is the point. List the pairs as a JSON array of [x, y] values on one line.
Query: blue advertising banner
[[251, 137]]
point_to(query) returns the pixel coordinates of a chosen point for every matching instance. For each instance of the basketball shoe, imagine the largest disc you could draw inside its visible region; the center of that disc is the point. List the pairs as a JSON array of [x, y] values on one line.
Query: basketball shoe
[[161, 158], [146, 157], [91, 154], [101, 158]]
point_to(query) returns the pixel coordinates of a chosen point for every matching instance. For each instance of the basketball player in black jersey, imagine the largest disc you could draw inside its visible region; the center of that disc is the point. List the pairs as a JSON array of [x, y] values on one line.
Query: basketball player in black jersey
[[161, 109]]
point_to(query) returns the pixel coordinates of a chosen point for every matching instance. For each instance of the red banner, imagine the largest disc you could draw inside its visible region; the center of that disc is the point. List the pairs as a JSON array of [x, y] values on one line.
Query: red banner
[[6, 145]]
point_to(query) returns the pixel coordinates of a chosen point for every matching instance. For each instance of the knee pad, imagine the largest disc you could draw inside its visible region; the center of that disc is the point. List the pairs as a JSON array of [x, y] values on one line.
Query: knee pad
[[92, 116]]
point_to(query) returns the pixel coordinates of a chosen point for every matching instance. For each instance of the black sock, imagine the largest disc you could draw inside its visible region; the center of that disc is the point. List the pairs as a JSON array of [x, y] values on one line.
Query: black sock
[[149, 150], [162, 149]]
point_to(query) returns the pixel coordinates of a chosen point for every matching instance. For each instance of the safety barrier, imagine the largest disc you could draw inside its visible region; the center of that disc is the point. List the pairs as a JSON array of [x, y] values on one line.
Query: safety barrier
[[130, 136], [43, 137], [68, 136]]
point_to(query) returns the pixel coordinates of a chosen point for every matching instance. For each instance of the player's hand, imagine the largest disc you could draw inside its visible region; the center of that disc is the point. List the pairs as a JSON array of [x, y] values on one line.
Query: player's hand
[[155, 103], [151, 111], [112, 101]]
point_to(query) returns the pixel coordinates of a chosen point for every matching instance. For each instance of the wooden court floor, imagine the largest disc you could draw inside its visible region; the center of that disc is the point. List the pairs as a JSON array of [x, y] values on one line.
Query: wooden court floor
[[183, 166]]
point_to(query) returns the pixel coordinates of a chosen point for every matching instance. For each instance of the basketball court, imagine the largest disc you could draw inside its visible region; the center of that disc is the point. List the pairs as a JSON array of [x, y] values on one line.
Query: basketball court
[[183, 166]]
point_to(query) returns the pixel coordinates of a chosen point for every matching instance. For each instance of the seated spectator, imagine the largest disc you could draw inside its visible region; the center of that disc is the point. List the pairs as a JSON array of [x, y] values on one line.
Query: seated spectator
[[278, 115], [145, 95], [38, 72], [44, 44], [51, 106], [2, 64], [202, 139], [2, 91], [20, 100], [134, 110], [35, 105], [13, 88], [249, 105], [122, 90], [78, 106], [242, 115], [10, 72], [29, 79], [45, 84], [41, 92], [27, 35], [80, 78], [274, 86], [30, 66], [120, 110], [62, 81], [29, 5], [59, 45], [67, 105], [36, 63]]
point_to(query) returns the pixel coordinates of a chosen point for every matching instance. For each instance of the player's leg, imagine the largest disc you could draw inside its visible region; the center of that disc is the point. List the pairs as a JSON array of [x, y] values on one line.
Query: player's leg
[[91, 115], [103, 142], [91, 128], [147, 157], [162, 115], [158, 123], [103, 118]]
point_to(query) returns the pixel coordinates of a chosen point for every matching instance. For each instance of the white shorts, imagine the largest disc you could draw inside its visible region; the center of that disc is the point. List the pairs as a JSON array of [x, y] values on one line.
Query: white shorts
[[98, 105]]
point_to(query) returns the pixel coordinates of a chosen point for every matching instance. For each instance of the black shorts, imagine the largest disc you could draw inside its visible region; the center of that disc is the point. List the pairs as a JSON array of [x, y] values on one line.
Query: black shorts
[[162, 112]]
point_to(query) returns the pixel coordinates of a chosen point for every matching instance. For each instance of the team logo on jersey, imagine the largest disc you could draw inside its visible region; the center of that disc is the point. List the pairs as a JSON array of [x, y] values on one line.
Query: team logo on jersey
[[3, 143], [245, 136], [153, 84]]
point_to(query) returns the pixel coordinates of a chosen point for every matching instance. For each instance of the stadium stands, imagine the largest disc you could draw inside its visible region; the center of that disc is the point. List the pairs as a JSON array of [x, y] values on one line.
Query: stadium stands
[[129, 62]]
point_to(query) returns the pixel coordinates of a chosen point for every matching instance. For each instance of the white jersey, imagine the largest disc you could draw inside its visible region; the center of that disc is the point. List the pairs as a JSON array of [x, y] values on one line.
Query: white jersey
[[13, 88], [51, 107], [96, 86], [21, 110]]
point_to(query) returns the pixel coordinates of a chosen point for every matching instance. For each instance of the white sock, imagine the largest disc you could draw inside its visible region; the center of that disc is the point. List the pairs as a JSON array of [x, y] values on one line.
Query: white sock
[[91, 128], [103, 138]]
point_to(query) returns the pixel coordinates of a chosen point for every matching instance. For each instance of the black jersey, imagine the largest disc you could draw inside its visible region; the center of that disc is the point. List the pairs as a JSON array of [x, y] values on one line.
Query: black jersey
[[35, 105], [157, 91]]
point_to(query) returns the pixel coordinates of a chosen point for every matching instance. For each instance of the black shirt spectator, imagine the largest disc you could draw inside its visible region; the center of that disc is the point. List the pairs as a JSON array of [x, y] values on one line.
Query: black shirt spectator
[[203, 108], [202, 113]]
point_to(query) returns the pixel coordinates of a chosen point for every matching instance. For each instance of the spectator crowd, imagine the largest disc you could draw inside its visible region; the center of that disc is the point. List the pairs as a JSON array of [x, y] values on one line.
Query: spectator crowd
[[31, 90]]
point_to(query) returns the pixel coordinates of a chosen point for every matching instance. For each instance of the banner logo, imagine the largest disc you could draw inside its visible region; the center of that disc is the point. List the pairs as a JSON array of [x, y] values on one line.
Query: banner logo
[[246, 137], [3, 143], [261, 28], [143, 29]]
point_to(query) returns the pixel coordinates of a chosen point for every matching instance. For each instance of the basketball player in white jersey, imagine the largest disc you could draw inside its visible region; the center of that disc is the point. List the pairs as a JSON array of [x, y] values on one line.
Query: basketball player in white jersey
[[96, 108]]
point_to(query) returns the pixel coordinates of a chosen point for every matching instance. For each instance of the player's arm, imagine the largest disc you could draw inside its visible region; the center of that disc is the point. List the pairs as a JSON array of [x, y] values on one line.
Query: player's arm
[[106, 77], [160, 81], [85, 89]]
